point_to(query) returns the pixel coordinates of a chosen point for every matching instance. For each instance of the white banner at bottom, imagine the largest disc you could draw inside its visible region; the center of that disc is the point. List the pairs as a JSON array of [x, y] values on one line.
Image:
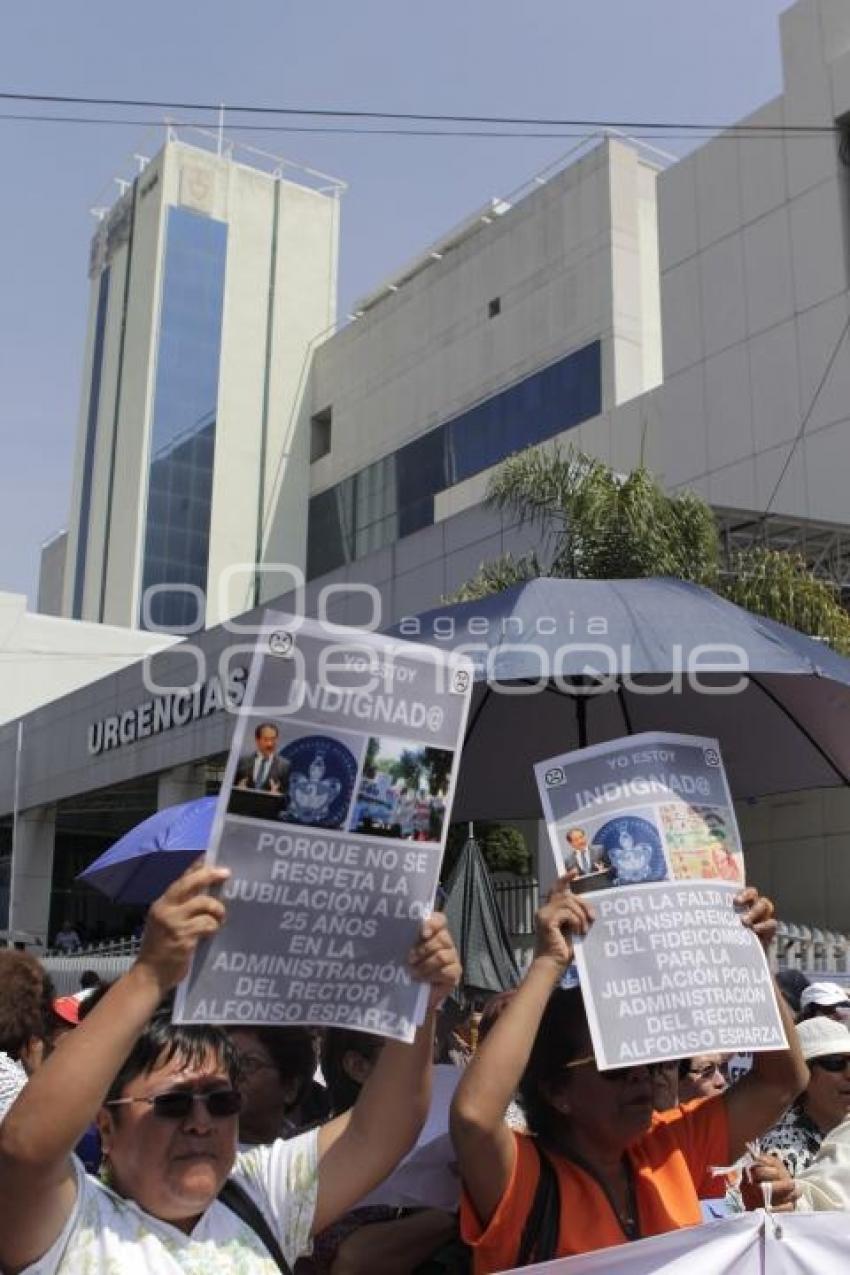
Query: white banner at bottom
[[752, 1244]]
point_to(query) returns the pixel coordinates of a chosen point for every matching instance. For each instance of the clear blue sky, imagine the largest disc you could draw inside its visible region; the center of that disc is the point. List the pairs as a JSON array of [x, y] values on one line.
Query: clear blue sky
[[657, 59]]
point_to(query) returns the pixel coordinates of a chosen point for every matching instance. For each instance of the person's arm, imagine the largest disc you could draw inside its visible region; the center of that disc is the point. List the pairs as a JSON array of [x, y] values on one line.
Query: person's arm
[[825, 1184], [759, 1099], [360, 1148], [37, 1180], [484, 1144], [395, 1247]]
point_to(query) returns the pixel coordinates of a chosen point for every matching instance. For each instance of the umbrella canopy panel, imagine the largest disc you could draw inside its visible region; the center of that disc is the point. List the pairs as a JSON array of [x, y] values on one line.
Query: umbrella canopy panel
[[145, 861], [561, 664], [477, 926]]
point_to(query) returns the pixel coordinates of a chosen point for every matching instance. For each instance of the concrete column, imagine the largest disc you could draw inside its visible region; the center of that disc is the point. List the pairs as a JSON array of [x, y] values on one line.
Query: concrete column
[[182, 783], [32, 871], [546, 874]]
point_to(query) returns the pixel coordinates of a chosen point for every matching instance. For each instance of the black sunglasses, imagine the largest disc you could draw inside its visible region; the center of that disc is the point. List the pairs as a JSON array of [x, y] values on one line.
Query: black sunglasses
[[832, 1062], [176, 1104]]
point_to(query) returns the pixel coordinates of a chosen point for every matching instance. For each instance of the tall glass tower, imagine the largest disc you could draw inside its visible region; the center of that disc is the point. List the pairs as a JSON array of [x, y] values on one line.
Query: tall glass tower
[[212, 279]]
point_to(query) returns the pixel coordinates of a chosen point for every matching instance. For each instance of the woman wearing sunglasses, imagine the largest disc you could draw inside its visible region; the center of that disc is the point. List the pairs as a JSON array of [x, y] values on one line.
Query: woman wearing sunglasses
[[824, 1102], [166, 1101], [702, 1076], [602, 1168]]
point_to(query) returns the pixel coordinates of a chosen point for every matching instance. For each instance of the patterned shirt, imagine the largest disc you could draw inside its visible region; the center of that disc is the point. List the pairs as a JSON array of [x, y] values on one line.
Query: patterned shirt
[[796, 1140], [108, 1235], [12, 1080]]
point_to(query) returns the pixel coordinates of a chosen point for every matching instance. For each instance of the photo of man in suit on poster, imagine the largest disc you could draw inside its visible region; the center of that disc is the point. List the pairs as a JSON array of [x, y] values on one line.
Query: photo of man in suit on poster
[[264, 770], [579, 854]]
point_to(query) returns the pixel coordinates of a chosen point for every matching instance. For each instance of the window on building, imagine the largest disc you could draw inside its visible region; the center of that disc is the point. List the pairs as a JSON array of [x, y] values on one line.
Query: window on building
[[394, 496], [320, 434], [843, 126], [185, 409], [494, 308], [91, 437]]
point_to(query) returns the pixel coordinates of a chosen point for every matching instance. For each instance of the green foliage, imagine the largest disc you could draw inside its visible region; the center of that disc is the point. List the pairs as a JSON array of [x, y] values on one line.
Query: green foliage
[[503, 847], [781, 586], [408, 768], [414, 767], [371, 754], [498, 575], [597, 524], [439, 764]]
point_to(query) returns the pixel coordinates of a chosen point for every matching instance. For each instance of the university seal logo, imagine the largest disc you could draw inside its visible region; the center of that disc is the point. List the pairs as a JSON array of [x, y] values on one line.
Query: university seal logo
[[634, 850], [321, 781]]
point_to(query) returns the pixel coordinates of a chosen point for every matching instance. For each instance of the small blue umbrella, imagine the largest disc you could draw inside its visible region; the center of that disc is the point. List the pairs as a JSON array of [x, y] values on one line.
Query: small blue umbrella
[[145, 861]]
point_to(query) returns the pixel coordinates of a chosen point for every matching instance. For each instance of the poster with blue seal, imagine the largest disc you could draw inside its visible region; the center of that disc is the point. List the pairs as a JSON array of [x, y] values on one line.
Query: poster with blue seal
[[332, 820], [645, 827]]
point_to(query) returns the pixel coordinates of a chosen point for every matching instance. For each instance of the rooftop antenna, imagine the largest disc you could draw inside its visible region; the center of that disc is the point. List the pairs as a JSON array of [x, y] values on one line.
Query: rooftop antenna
[[220, 128], [141, 160]]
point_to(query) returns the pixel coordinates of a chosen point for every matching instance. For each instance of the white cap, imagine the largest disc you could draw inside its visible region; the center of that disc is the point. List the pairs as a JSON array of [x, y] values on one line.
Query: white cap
[[820, 1036], [829, 995]]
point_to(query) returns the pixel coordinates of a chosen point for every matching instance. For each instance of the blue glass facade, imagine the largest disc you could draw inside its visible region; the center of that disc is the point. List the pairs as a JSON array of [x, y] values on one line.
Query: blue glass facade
[[184, 415], [91, 438], [395, 496]]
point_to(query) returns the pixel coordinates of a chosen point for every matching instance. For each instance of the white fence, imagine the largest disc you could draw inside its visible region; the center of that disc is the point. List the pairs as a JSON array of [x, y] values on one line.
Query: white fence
[[108, 960], [817, 952]]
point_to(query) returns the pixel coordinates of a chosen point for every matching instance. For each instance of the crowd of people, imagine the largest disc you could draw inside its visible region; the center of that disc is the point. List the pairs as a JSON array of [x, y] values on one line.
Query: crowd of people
[[131, 1143]]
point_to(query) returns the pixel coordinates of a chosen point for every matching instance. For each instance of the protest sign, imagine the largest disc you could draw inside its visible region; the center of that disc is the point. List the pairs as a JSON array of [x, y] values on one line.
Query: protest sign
[[755, 1243], [667, 970], [333, 818]]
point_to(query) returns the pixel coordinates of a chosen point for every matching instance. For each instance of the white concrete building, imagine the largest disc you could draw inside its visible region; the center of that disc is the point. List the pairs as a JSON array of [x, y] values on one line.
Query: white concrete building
[[752, 410], [711, 340], [528, 319], [45, 657], [211, 281]]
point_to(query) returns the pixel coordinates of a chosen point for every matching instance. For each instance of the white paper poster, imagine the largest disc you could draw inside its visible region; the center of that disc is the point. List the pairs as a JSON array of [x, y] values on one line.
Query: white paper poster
[[333, 819], [667, 970]]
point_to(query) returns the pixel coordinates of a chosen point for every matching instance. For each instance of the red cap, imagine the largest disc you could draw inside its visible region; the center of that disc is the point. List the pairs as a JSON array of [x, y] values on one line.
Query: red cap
[[68, 1009]]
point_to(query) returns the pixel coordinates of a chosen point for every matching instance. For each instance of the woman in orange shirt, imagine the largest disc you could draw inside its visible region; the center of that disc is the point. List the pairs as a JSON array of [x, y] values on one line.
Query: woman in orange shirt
[[613, 1169]]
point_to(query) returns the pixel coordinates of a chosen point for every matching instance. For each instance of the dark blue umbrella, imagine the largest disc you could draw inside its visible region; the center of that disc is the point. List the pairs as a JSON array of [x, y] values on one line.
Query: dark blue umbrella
[[150, 856], [562, 664]]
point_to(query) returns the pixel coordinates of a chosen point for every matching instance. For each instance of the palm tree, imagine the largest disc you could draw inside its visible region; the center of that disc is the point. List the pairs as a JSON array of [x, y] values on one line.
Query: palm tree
[[597, 524]]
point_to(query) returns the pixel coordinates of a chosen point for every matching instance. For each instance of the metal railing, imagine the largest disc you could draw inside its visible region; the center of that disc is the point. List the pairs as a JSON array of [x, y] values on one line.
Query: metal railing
[[518, 900], [818, 953], [108, 960]]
